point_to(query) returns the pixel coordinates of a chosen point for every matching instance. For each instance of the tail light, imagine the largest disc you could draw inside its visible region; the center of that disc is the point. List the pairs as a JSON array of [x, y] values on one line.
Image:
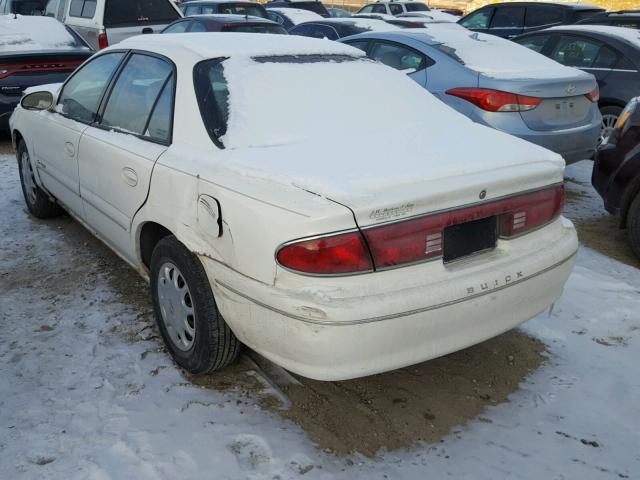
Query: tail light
[[495, 100], [327, 255], [418, 239], [59, 66], [593, 95], [103, 41]]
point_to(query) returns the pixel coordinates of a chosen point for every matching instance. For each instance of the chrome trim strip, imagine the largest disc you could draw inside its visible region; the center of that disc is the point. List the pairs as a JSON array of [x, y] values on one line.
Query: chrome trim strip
[[394, 315]]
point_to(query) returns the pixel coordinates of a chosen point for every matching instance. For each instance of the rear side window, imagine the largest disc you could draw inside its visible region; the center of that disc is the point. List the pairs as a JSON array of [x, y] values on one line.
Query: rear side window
[[416, 7], [360, 44], [379, 9], [478, 20], [82, 8], [508, 17], [122, 13], [81, 95], [398, 57], [535, 43], [276, 29], [395, 9], [366, 9], [213, 98], [315, 31], [161, 121], [135, 94], [543, 16]]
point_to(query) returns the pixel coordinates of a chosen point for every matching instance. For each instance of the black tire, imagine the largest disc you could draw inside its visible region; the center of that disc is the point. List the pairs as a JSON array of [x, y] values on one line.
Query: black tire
[[214, 346], [38, 202], [608, 113], [633, 225]]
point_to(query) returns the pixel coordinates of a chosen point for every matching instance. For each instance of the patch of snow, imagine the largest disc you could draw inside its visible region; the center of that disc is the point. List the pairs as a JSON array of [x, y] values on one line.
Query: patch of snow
[[369, 24], [78, 401], [297, 15], [435, 16], [493, 56], [24, 33]]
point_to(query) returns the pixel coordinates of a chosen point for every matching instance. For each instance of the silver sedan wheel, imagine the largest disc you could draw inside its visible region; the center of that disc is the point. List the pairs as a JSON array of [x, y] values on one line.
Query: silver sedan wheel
[[176, 306], [608, 123], [28, 179]]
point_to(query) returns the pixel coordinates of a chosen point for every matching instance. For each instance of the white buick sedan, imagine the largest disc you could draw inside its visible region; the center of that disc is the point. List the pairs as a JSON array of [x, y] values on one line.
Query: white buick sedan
[[288, 194]]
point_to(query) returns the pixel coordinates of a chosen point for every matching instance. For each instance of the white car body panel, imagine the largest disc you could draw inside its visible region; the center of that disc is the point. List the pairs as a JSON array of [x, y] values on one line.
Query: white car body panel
[[327, 328]]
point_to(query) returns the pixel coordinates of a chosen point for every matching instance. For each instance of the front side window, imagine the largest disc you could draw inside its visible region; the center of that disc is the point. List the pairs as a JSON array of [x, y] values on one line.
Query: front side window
[[81, 95], [576, 52], [478, 20], [134, 94], [508, 17], [366, 9], [398, 57], [379, 9]]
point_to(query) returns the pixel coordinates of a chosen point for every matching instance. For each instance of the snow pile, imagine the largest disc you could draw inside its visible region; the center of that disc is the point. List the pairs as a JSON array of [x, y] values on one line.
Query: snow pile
[[22, 33], [80, 400], [369, 24], [493, 56], [297, 15], [434, 16]]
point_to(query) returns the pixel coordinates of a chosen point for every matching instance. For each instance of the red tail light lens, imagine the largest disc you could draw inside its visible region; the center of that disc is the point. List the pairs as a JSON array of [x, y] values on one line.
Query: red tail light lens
[[422, 239], [22, 68], [416, 240], [495, 100], [593, 95], [330, 255], [103, 41]]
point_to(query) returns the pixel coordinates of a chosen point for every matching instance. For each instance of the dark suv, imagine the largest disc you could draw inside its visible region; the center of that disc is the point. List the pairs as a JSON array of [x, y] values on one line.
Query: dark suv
[[507, 20], [616, 172], [622, 18]]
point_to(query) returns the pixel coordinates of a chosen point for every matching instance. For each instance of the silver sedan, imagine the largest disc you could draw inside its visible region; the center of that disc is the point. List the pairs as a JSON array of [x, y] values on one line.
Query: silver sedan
[[497, 83]]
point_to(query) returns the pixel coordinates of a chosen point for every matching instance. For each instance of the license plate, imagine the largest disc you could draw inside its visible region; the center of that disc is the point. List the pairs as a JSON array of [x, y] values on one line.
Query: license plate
[[469, 238]]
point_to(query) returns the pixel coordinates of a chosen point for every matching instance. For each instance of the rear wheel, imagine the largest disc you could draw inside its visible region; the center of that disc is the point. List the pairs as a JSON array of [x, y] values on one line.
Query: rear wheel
[[633, 225], [193, 329], [38, 202], [609, 118]]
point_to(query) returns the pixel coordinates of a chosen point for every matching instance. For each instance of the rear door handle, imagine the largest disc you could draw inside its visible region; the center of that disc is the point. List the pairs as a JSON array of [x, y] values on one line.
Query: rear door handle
[[130, 176]]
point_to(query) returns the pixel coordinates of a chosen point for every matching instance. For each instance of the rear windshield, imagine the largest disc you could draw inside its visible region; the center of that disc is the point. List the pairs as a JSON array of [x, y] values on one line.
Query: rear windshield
[[243, 9], [256, 28], [316, 7], [122, 13], [416, 7], [28, 7]]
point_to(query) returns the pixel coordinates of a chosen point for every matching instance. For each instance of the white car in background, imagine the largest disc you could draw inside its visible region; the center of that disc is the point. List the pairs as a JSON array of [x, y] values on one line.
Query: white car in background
[[106, 22], [338, 239]]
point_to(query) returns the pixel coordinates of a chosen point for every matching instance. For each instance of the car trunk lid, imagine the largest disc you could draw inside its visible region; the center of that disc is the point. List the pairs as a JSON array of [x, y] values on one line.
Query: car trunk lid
[[564, 100]]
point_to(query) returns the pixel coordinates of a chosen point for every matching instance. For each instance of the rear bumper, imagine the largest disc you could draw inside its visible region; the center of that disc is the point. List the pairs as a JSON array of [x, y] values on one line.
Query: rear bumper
[[573, 144], [340, 328]]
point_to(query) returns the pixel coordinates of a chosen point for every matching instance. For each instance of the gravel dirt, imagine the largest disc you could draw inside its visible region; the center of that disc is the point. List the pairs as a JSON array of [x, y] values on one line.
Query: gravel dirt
[[383, 412]]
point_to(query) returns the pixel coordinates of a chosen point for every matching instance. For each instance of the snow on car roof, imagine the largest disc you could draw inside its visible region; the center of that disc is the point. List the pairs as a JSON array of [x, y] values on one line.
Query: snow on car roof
[[365, 23], [213, 45], [630, 35], [20, 33], [297, 15], [490, 55]]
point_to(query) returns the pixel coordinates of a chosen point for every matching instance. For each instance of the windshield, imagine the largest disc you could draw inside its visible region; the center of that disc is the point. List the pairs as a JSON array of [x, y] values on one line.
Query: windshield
[[255, 28], [245, 103], [243, 9], [120, 13]]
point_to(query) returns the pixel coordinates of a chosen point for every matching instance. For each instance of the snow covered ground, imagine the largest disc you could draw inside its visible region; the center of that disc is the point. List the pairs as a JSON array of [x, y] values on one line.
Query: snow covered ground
[[87, 392]]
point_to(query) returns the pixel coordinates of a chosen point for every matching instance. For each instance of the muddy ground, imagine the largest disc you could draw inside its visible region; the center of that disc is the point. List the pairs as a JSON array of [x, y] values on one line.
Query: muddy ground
[[388, 411]]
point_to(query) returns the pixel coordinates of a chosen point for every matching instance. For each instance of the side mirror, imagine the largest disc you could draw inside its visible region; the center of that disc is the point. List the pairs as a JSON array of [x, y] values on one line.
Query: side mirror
[[37, 101]]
